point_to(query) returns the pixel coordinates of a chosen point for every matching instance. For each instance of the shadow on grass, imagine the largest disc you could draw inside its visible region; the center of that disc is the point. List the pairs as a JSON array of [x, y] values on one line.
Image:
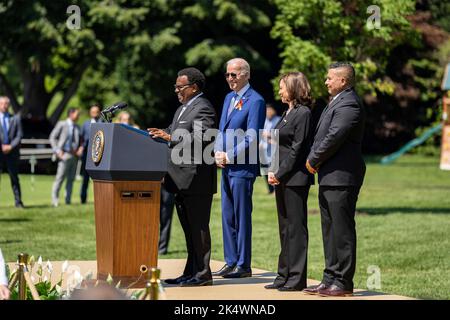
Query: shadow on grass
[[27, 207], [14, 220], [388, 210], [10, 241]]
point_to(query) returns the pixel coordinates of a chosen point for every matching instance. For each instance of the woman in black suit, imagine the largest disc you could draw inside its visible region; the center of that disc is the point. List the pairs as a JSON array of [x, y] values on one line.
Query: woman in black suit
[[292, 181]]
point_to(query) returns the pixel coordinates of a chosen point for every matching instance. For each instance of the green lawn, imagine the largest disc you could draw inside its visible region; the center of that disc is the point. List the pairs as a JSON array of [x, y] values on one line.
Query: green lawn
[[403, 227]]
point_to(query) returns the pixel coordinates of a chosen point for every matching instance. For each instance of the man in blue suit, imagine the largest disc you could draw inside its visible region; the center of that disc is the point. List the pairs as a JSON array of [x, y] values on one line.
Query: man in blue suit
[[94, 114], [236, 152], [10, 136]]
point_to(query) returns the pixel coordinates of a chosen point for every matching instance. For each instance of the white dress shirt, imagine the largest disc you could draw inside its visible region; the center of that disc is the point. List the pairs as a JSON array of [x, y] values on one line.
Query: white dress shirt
[[3, 280]]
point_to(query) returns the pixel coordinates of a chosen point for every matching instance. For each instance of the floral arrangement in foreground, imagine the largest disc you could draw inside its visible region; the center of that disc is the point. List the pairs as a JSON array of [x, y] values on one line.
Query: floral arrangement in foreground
[[74, 281]]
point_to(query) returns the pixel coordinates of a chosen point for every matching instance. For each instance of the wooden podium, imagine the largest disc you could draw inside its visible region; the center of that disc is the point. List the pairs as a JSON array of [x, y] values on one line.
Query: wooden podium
[[127, 166]]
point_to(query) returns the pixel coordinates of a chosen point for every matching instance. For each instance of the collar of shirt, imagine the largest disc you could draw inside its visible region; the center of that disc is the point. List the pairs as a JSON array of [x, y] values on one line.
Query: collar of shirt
[[4, 114], [93, 120], [192, 100], [334, 98], [241, 92], [70, 122]]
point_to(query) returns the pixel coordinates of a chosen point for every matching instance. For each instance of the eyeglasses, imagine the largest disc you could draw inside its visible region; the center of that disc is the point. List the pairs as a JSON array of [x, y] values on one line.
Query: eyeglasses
[[182, 87], [230, 74]]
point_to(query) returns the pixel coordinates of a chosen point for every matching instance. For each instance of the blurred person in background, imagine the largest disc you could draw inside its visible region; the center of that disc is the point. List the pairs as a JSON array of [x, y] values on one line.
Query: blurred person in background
[[94, 114], [4, 291], [125, 118], [265, 144], [10, 136], [66, 144]]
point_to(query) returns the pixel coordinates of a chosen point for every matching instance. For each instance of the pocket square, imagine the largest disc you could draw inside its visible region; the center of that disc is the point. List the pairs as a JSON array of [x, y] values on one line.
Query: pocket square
[[182, 122]]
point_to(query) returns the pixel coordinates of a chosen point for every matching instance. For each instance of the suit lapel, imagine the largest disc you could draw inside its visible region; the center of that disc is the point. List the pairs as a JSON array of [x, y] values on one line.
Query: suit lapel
[[244, 99], [223, 118], [331, 105], [189, 109], [278, 124], [287, 118]]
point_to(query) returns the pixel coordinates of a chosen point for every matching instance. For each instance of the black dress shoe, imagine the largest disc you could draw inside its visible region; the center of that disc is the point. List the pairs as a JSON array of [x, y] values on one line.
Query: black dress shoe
[[315, 289], [239, 273], [273, 286], [288, 288], [226, 269], [178, 280], [194, 282]]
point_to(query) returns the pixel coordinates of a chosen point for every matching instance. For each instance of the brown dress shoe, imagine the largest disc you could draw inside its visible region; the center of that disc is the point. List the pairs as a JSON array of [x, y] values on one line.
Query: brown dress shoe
[[335, 291], [315, 289]]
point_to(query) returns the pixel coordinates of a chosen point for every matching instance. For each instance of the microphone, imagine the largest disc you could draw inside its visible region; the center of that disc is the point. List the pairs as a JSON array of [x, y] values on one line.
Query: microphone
[[115, 107]]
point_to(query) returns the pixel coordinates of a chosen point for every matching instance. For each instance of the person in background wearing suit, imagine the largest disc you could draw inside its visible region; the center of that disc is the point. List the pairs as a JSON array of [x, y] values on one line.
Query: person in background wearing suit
[[336, 156], [10, 136], [124, 117], [265, 145], [165, 219], [94, 114], [65, 142], [244, 111], [292, 182], [191, 178]]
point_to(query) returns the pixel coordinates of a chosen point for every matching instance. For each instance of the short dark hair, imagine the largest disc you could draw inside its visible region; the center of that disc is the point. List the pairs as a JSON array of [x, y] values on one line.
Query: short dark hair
[[96, 105], [71, 110], [349, 73], [194, 76]]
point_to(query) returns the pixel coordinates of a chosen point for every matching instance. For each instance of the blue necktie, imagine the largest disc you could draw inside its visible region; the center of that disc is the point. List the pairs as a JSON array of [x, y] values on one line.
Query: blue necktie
[[5, 129]]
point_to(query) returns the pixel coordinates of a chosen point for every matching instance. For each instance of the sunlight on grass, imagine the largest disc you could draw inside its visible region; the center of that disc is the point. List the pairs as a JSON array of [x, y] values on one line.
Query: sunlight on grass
[[403, 224]]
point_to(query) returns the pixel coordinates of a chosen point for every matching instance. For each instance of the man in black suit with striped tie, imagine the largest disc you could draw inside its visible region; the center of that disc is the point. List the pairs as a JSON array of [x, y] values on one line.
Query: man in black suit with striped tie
[[192, 179], [336, 157]]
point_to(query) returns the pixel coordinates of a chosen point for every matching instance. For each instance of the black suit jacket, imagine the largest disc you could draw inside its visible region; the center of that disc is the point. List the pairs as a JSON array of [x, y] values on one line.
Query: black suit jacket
[[336, 150], [294, 138], [15, 134], [193, 176]]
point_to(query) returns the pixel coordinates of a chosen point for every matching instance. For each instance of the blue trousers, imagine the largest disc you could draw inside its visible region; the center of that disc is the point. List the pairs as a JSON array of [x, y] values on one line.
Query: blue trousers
[[237, 219]]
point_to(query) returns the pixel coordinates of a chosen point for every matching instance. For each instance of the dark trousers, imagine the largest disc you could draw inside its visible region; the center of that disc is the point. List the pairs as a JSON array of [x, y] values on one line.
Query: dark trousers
[[337, 209], [194, 213], [166, 213], [11, 165], [293, 226], [85, 178]]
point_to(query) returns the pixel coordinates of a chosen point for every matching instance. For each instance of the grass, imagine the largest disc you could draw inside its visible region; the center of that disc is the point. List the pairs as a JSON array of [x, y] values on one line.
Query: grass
[[403, 227]]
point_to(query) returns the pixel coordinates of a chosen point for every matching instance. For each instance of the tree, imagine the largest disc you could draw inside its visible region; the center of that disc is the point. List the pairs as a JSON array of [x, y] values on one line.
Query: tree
[[51, 58], [204, 34], [396, 75]]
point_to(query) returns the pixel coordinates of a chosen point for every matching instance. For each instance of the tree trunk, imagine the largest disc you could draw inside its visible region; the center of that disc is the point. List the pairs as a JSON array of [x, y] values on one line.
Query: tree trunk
[[35, 98]]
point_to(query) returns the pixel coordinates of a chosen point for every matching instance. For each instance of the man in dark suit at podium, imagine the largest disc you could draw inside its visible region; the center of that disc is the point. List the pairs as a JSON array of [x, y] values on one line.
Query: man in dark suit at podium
[[191, 179]]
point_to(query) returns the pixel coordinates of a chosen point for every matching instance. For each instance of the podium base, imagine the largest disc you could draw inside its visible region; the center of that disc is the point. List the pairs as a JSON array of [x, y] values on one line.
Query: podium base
[[127, 228]]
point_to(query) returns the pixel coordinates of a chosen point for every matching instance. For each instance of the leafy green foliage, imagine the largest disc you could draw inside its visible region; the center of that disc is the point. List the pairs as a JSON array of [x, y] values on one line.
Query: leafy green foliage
[[314, 33]]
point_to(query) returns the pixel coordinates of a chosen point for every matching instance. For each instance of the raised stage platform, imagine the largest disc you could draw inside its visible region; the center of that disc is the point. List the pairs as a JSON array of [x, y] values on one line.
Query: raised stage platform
[[223, 289]]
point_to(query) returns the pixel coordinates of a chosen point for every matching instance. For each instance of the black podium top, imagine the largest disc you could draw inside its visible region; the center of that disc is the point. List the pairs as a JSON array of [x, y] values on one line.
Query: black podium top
[[118, 152]]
